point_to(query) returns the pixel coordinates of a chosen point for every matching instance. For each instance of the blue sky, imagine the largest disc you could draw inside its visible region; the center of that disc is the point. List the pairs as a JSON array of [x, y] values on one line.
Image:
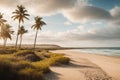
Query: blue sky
[[58, 20], [78, 23], [106, 4]]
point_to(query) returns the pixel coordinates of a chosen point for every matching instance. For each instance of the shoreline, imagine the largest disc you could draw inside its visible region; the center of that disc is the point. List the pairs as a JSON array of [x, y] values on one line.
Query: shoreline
[[99, 54], [102, 66], [95, 53]]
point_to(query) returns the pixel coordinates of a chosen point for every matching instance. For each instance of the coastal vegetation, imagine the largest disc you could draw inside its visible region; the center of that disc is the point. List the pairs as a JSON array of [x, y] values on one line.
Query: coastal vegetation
[[29, 65]]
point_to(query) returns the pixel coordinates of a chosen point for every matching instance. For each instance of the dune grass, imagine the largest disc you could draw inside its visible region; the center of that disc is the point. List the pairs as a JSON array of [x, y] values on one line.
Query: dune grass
[[28, 65]]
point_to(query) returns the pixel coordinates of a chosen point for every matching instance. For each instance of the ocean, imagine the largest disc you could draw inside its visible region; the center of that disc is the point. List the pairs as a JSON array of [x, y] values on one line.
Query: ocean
[[110, 52]]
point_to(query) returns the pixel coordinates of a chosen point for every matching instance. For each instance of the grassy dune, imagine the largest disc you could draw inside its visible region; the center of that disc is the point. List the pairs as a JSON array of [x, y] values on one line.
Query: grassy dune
[[28, 65]]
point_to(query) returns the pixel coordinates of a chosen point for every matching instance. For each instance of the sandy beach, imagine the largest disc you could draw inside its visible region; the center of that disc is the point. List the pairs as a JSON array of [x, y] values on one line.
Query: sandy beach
[[86, 66]]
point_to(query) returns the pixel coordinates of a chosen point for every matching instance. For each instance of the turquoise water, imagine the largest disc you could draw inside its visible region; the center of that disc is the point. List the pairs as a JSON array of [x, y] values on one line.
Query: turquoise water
[[110, 52]]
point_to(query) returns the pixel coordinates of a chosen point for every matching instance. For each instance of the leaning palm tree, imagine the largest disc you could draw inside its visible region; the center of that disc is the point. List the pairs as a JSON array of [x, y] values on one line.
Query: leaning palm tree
[[5, 33], [2, 21], [20, 15], [38, 25], [21, 31]]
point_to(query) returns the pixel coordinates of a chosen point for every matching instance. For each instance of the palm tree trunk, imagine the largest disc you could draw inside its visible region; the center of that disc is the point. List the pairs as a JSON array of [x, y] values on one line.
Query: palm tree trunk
[[35, 39], [20, 41], [17, 36], [5, 40]]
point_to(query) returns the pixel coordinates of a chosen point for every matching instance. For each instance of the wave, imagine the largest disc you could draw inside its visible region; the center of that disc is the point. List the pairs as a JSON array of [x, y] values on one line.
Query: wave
[[110, 52]]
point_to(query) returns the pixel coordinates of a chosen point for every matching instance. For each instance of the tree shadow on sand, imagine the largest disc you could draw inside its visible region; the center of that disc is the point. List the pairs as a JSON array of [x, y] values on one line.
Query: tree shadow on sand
[[73, 65], [55, 76]]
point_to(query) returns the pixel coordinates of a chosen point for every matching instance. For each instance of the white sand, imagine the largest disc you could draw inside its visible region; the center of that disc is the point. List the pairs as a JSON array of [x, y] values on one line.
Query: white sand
[[86, 67]]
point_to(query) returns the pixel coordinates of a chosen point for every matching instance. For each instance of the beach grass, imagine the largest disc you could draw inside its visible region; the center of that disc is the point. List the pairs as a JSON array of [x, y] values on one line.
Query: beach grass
[[28, 65]]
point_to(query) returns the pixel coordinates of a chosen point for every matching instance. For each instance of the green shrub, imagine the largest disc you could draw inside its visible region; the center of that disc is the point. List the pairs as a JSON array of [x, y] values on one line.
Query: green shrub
[[53, 58], [42, 66], [59, 60], [63, 60]]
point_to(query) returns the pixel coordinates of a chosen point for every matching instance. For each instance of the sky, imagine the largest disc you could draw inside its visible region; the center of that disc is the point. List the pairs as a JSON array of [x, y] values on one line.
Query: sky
[[70, 23]]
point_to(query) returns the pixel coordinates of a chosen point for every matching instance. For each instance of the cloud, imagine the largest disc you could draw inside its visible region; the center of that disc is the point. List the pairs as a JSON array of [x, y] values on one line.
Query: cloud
[[41, 7], [115, 12], [55, 5], [49, 7], [79, 34], [8, 3], [67, 23], [94, 34], [86, 13], [44, 37], [79, 11]]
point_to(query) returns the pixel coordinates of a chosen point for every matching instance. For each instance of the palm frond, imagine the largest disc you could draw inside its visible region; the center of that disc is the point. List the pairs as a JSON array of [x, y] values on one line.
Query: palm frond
[[22, 30], [6, 31], [26, 18], [38, 23], [20, 13]]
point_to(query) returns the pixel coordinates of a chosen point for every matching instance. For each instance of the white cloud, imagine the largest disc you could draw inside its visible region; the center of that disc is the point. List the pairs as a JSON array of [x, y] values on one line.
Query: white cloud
[[115, 12], [97, 23], [74, 10], [8, 3], [78, 34], [67, 23], [86, 13], [95, 34], [43, 7], [49, 7]]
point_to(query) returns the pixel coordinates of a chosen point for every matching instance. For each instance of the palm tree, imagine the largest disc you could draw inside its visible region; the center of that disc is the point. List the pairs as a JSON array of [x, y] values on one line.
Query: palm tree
[[38, 24], [6, 32], [2, 21], [20, 15], [21, 31]]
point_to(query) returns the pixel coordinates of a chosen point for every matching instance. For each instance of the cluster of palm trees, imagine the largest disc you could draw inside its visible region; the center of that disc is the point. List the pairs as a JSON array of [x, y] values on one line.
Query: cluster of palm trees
[[5, 29], [19, 14]]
